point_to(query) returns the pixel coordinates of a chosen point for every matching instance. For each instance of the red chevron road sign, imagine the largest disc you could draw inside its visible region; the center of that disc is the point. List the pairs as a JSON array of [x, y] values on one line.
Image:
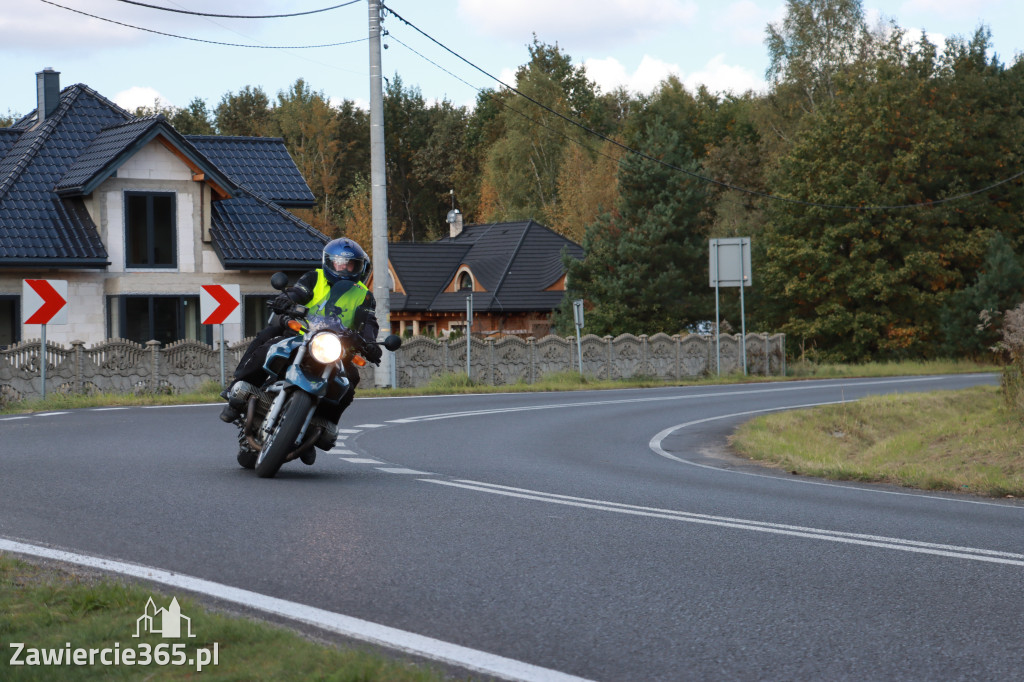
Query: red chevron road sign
[[218, 304], [44, 301]]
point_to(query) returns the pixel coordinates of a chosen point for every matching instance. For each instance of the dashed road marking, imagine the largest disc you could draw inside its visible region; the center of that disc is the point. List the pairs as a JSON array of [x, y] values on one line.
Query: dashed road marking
[[369, 426], [400, 470], [361, 460]]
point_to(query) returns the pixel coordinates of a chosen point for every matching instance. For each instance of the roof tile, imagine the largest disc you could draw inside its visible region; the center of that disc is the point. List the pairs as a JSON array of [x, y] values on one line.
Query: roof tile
[[261, 163]]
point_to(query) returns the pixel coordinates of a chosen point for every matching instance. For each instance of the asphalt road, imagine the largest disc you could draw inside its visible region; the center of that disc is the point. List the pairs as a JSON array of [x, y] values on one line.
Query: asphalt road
[[607, 535]]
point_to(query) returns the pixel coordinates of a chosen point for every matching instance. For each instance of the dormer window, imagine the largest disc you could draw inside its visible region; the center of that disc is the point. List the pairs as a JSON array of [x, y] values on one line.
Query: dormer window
[[465, 281], [150, 227]]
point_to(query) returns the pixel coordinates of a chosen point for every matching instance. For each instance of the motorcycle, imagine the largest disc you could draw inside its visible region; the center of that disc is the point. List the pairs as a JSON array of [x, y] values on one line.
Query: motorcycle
[[306, 374]]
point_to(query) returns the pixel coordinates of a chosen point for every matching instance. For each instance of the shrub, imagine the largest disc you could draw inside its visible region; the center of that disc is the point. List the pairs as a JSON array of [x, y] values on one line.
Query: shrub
[[1012, 345]]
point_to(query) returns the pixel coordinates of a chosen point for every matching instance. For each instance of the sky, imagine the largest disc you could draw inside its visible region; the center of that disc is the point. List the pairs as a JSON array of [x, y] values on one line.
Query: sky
[[630, 43]]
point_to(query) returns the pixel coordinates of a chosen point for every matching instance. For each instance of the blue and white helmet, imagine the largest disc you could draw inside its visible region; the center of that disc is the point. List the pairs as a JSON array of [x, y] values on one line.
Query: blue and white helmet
[[345, 260]]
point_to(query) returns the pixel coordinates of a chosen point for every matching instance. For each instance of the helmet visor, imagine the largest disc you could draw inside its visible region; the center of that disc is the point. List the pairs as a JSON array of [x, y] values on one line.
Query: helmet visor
[[344, 265]]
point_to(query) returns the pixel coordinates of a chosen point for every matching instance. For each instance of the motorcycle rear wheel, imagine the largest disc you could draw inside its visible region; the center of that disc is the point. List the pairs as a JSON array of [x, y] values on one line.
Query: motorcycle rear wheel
[[282, 440]]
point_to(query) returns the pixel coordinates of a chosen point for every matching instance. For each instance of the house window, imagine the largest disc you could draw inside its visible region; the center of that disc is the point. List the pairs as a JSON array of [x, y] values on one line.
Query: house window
[[10, 325], [150, 230], [161, 318], [465, 281], [257, 314]]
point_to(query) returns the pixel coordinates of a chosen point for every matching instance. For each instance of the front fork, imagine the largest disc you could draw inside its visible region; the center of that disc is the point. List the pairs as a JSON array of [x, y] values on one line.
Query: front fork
[[270, 420]]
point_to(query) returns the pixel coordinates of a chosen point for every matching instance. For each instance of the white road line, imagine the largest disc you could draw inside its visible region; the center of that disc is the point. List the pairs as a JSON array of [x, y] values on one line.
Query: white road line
[[668, 398], [369, 426], [400, 470], [656, 446], [361, 460], [48, 414], [108, 409], [347, 626], [914, 546], [348, 431], [10, 419], [336, 451]]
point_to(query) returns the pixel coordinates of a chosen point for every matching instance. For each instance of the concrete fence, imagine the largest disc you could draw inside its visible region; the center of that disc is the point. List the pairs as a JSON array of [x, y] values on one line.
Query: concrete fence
[[120, 366]]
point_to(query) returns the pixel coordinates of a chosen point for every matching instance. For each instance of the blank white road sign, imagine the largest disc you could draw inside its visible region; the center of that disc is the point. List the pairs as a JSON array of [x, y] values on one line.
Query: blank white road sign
[[730, 262]]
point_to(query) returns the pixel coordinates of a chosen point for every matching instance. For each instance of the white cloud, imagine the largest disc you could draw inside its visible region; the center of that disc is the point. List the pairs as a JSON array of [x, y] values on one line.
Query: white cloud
[[138, 96], [745, 22], [610, 74], [506, 76], [579, 22], [720, 77], [39, 25], [717, 76], [950, 7]]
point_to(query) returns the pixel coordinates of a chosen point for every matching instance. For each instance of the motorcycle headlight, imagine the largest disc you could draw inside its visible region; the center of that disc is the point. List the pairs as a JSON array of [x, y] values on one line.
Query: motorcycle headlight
[[325, 348]]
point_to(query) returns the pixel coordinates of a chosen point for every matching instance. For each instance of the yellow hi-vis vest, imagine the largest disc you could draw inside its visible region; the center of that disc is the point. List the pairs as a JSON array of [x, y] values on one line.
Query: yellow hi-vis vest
[[346, 303]]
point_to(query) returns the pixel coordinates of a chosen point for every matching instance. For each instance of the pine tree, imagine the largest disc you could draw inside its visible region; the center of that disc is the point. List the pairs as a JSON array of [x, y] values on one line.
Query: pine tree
[[645, 262]]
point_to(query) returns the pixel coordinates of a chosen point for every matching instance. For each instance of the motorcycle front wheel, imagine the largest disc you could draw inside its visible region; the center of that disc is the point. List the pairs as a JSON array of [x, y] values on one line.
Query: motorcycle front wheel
[[281, 440]]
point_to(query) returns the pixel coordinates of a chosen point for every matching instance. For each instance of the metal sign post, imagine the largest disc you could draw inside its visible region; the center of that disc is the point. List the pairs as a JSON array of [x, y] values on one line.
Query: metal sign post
[[219, 305], [577, 316], [469, 335], [44, 301], [729, 266]]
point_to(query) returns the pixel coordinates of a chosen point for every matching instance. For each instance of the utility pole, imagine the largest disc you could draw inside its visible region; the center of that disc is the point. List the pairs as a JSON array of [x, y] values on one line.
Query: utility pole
[[378, 195]]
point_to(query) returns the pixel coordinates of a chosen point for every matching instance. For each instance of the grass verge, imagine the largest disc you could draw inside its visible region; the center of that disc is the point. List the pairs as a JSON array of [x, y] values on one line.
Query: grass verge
[[964, 441], [45, 607]]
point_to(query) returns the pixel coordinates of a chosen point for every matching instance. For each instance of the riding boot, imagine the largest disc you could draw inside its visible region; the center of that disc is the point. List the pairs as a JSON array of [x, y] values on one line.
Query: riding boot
[[326, 440]]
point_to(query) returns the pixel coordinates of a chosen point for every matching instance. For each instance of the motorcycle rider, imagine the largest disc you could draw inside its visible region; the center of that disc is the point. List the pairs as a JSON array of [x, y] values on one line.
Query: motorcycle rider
[[343, 261]]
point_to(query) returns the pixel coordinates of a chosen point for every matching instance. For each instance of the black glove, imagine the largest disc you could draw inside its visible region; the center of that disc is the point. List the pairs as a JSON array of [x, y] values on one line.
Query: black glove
[[281, 303], [372, 352]]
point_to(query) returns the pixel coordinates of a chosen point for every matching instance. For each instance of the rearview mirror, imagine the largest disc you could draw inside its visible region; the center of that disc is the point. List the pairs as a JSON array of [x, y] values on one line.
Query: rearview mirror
[[393, 342], [279, 281]]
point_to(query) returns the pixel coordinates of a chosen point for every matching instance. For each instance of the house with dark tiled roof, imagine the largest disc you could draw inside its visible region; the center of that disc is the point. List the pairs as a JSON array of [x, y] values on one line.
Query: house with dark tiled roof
[[137, 217], [513, 271]]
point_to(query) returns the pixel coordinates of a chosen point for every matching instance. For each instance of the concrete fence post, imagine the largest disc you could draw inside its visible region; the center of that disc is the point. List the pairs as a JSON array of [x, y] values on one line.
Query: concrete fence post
[[679, 349], [610, 350], [490, 362], [531, 349], [78, 381], [154, 355]]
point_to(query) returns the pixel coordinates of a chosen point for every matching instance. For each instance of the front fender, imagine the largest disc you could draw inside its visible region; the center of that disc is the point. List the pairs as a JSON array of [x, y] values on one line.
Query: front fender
[[314, 385]]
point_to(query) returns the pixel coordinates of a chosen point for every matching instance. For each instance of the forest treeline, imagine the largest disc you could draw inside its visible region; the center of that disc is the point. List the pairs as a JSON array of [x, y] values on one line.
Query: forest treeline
[[879, 178]]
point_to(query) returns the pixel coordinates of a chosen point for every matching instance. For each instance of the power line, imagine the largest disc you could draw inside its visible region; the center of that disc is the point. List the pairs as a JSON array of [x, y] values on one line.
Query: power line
[[503, 105], [201, 40], [697, 176], [239, 16]]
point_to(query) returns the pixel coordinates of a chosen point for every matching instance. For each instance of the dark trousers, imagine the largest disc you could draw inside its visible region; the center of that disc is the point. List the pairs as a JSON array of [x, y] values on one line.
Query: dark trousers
[[250, 367]]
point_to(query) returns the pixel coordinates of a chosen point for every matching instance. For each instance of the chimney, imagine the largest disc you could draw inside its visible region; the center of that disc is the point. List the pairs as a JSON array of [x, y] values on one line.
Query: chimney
[[47, 93], [454, 223]]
